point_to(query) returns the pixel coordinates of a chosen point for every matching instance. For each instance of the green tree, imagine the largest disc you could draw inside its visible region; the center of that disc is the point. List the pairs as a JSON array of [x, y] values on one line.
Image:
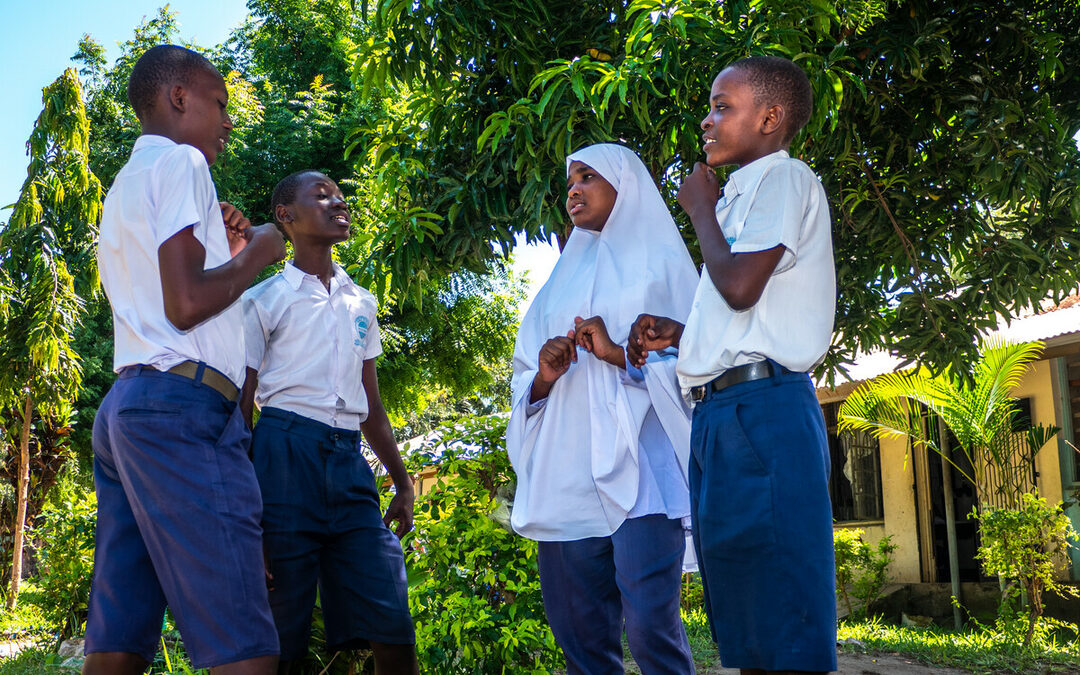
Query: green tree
[[287, 69], [942, 132], [51, 232]]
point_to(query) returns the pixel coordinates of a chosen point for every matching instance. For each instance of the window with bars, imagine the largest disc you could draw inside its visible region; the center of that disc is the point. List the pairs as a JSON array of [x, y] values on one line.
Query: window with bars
[[855, 479]]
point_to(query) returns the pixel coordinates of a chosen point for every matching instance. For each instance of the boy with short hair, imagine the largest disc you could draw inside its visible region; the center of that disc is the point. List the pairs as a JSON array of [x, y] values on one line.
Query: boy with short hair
[[178, 503], [312, 339], [762, 318]]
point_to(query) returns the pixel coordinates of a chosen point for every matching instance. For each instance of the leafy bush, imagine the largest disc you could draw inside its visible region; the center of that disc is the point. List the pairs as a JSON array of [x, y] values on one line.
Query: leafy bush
[[1024, 547], [66, 530], [474, 585], [862, 570]]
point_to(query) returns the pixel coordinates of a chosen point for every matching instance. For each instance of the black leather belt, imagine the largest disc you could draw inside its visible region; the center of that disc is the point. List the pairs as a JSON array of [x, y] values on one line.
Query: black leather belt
[[737, 375], [210, 377]]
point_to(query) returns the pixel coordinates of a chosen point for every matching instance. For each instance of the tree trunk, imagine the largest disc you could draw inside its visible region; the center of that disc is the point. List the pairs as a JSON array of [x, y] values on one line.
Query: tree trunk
[[950, 523], [21, 497]]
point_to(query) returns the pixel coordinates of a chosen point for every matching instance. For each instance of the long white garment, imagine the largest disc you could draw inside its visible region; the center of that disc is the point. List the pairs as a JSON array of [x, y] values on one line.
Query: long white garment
[[577, 458]]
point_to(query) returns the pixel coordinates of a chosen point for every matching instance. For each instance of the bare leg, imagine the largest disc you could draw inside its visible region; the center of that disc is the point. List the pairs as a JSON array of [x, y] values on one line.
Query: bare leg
[[394, 659], [114, 663]]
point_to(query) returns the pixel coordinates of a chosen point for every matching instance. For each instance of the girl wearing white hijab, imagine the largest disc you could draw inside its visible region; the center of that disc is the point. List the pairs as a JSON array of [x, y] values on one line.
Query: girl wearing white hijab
[[601, 448]]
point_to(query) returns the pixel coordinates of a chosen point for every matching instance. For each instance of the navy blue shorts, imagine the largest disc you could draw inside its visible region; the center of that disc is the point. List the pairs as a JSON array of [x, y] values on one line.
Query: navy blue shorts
[[323, 526], [763, 524], [178, 524]]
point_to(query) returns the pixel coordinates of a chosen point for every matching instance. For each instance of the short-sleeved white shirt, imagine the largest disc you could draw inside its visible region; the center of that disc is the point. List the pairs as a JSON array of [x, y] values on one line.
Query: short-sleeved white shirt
[[163, 188], [774, 200], [309, 345]]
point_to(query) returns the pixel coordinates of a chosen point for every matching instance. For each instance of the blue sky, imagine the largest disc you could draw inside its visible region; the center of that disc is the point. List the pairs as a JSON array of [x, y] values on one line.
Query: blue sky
[[37, 40]]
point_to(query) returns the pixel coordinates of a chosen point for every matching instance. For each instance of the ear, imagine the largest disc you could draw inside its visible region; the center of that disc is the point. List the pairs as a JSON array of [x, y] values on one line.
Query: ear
[[282, 214], [177, 97], [773, 120]]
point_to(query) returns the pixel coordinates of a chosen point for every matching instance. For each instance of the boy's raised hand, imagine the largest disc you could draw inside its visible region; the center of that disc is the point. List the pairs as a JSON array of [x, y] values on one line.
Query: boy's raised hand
[[236, 227], [649, 333], [592, 334], [700, 191], [554, 360], [269, 239]]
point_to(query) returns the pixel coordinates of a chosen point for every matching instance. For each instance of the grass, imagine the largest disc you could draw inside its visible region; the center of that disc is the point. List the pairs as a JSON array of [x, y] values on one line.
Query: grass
[[29, 619], [699, 634], [31, 662], [982, 649]]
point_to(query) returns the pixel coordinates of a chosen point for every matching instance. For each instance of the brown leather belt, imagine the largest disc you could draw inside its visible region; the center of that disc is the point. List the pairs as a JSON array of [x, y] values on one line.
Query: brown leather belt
[[210, 377], [737, 375]]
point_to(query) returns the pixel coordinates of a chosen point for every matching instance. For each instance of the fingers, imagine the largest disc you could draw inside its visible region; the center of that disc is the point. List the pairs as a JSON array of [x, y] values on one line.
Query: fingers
[[234, 219], [558, 353]]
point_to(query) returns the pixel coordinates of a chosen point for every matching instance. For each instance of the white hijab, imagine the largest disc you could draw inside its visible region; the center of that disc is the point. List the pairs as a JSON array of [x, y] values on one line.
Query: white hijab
[[577, 458]]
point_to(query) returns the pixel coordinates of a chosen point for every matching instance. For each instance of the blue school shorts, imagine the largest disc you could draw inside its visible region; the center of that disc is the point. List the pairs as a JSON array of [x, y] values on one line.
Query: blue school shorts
[[323, 528], [762, 520], [178, 524]]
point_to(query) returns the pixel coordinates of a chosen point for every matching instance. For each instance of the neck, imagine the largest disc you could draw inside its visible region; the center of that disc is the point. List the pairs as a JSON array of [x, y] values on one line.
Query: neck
[[158, 127], [315, 261], [764, 153]]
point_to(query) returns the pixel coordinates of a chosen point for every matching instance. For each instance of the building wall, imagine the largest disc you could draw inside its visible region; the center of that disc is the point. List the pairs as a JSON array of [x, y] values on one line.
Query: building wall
[[1038, 387]]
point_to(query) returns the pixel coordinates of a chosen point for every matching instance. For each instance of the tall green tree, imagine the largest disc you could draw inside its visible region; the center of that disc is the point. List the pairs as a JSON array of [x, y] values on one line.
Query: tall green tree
[[294, 107], [943, 133], [47, 263]]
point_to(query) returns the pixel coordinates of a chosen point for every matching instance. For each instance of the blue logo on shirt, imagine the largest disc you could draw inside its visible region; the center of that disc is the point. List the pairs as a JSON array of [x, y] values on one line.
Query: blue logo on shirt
[[361, 330], [730, 240]]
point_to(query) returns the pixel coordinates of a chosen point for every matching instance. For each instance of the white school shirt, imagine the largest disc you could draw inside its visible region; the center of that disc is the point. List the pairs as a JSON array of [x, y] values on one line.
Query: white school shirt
[[163, 188], [774, 200], [309, 345]]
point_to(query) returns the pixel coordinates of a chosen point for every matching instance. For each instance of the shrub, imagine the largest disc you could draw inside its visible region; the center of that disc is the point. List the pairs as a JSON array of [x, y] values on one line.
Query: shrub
[[1023, 547], [66, 530], [474, 585], [862, 570]]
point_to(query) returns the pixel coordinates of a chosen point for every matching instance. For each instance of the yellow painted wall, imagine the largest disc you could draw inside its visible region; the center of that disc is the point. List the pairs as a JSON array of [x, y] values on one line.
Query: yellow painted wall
[[1037, 385]]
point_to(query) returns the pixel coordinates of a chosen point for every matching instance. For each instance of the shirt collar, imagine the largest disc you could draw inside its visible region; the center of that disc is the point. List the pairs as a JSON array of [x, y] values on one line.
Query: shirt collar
[[295, 276], [152, 141], [745, 176]]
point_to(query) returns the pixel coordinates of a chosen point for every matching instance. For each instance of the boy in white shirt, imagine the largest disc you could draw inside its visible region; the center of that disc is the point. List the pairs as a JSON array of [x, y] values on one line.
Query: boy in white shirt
[[178, 503], [312, 338], [762, 317]]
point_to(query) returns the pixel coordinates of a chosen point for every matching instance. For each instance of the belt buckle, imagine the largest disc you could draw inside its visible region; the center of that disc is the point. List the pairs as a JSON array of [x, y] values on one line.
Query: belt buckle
[[697, 394]]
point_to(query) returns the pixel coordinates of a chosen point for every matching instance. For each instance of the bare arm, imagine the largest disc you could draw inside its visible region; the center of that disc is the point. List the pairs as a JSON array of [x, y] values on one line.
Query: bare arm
[[739, 277], [193, 295], [247, 395], [380, 436]]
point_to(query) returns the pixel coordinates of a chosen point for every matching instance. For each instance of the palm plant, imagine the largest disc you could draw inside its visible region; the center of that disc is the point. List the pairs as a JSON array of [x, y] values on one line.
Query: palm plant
[[979, 410]]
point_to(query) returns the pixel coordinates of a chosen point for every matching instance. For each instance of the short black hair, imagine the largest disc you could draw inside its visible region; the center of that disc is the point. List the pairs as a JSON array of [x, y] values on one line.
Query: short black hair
[[285, 193], [778, 80], [159, 66]]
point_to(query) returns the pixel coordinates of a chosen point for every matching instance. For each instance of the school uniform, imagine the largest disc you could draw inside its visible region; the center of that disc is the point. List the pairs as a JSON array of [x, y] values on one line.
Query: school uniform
[[322, 518], [601, 462], [760, 461], [178, 503]]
